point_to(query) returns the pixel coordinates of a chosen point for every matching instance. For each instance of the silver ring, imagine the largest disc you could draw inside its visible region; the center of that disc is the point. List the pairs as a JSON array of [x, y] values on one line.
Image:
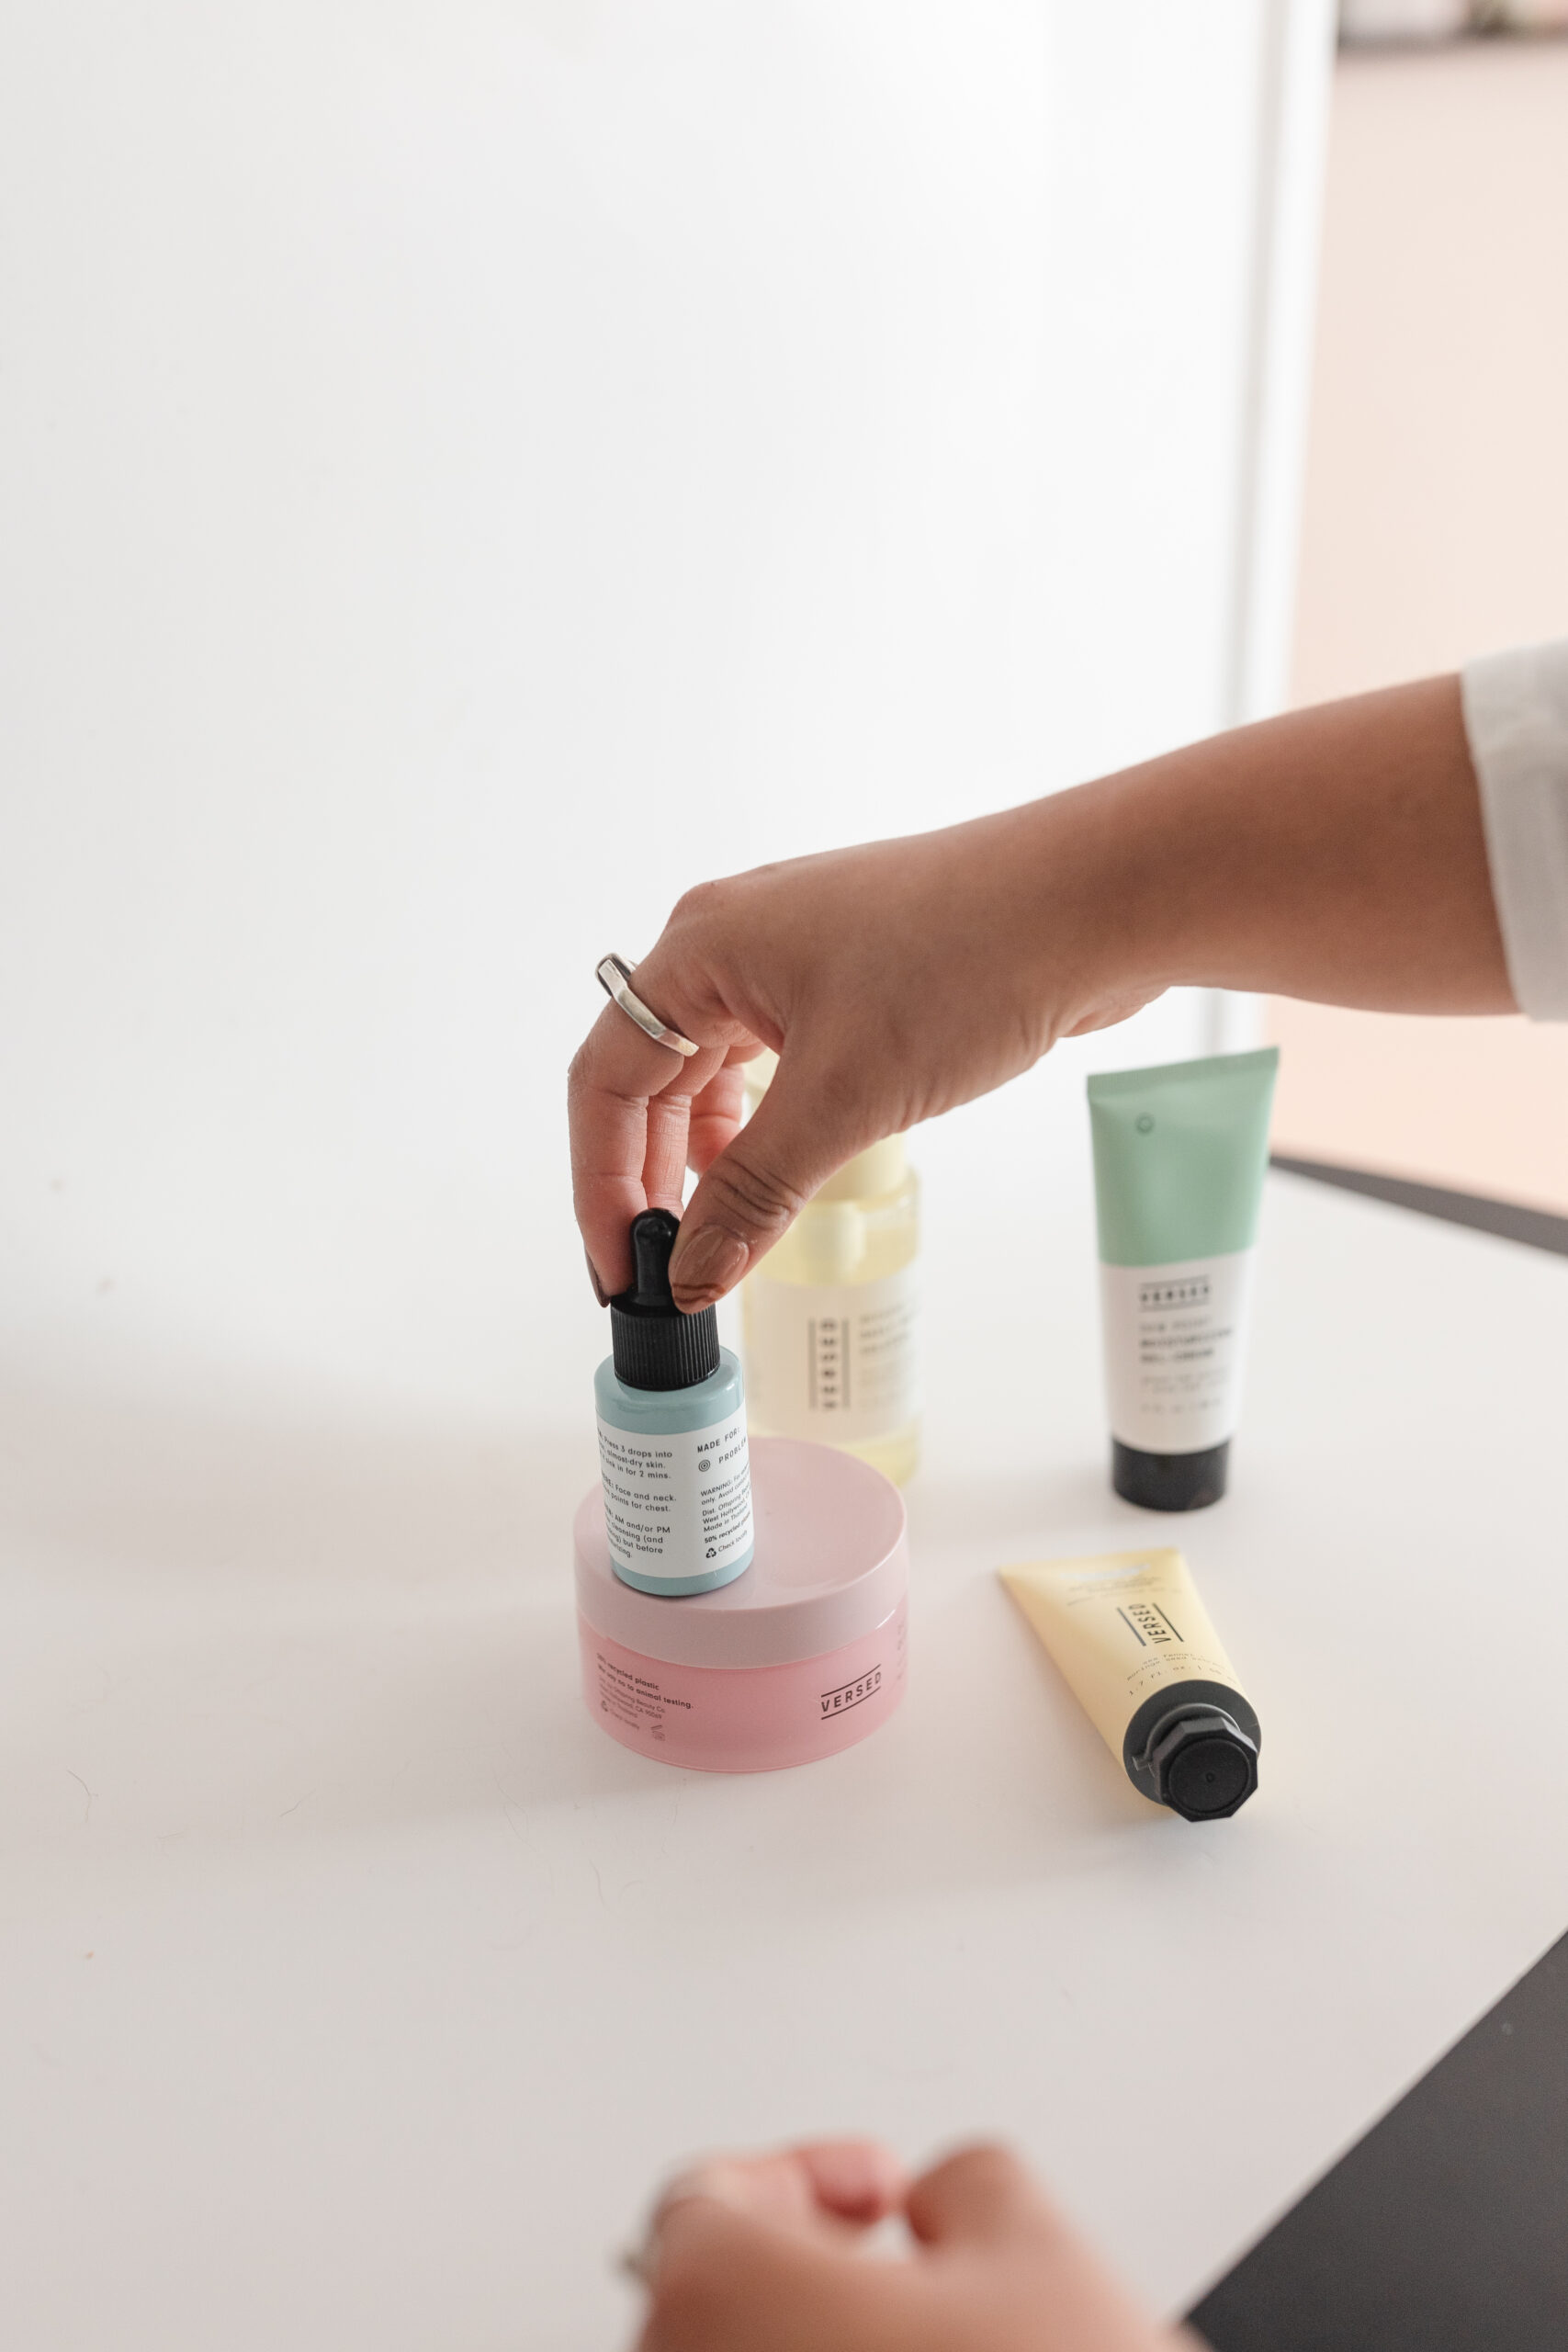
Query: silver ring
[[614, 975]]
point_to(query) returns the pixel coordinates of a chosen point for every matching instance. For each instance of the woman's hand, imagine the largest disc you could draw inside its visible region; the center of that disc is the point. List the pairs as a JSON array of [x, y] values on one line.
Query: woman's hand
[[894, 980], [764, 2253]]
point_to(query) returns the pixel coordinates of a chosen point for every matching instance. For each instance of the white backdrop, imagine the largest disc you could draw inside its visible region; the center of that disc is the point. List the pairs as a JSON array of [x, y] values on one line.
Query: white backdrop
[[470, 471], [466, 472]]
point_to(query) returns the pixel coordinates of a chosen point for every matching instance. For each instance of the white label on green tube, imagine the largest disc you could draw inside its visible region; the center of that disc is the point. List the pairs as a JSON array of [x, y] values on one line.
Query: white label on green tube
[[1174, 1337], [677, 1505], [833, 1360]]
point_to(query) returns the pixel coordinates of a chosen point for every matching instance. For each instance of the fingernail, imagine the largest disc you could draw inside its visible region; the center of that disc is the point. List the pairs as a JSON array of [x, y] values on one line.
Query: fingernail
[[707, 1264], [717, 2180], [599, 1291]]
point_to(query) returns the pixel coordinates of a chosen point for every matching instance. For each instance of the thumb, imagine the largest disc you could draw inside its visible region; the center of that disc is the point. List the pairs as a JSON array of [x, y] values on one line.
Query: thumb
[[800, 1132], [980, 2196]]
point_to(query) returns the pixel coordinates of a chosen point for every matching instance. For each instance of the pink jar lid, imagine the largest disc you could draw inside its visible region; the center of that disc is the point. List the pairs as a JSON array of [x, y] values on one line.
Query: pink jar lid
[[832, 1562]]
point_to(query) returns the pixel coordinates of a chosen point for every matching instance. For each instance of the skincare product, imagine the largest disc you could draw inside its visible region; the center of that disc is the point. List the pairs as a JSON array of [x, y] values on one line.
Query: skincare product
[[1178, 1159], [1134, 1644], [677, 1487], [802, 1657], [831, 1314]]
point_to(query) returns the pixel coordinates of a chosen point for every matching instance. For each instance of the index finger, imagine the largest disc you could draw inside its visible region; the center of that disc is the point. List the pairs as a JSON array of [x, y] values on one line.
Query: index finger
[[630, 1102], [855, 2183]]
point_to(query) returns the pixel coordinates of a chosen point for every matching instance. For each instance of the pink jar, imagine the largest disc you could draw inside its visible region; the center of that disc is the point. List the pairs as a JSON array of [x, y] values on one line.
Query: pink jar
[[802, 1656]]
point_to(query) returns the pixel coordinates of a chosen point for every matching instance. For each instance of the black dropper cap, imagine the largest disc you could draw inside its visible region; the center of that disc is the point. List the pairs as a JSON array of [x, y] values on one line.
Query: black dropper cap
[[655, 1345], [1199, 1761]]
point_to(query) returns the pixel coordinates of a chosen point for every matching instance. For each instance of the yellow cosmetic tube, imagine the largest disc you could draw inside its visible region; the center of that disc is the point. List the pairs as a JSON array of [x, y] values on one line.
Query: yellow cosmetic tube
[[1133, 1641]]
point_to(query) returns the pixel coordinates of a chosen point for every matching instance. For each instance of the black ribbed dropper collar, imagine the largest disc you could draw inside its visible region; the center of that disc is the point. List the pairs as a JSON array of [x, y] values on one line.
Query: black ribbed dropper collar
[[655, 1345]]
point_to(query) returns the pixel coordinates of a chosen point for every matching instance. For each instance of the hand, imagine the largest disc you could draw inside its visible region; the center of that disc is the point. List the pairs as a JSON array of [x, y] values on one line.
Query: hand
[[764, 2253], [895, 980]]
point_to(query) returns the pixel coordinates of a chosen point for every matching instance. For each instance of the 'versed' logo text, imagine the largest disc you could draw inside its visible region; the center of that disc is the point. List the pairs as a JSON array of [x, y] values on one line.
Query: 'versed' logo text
[[852, 1694]]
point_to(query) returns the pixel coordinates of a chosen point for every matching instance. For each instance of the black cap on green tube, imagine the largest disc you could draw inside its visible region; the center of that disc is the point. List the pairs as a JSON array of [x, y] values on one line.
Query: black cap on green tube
[[1169, 1481]]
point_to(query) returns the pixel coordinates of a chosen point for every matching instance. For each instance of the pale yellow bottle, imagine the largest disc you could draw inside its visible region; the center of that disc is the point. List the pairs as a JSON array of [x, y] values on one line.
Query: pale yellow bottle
[[831, 1315]]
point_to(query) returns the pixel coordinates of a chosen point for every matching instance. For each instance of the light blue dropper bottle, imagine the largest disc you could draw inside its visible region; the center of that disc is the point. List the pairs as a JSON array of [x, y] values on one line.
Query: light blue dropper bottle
[[672, 1434]]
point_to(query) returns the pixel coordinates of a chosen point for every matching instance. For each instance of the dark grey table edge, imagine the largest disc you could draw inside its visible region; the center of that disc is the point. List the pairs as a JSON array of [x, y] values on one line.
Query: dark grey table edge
[[1510, 1220]]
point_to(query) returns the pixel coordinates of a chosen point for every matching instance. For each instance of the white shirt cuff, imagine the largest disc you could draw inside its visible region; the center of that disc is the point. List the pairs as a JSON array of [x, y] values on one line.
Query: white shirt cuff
[[1516, 714]]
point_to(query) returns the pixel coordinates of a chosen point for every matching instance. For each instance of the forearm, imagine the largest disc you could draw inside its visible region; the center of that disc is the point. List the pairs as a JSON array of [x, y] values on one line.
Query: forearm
[[1335, 853]]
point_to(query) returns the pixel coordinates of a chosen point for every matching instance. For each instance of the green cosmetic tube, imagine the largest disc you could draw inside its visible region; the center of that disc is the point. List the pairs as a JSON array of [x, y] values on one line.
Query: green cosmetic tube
[[1180, 1153]]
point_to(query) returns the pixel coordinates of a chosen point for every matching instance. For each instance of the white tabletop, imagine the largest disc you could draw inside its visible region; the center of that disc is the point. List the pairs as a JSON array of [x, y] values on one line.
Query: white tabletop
[[356, 1987]]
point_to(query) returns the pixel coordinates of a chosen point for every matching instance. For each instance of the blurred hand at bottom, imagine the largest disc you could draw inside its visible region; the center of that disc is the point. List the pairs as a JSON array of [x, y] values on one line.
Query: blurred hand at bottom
[[763, 2254]]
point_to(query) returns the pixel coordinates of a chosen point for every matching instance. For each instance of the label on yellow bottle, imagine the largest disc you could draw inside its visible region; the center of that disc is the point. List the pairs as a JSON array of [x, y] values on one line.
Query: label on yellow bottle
[[838, 1362]]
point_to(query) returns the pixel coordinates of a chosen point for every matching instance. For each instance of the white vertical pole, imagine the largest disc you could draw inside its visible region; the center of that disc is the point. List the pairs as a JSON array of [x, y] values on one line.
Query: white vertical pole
[[1295, 69]]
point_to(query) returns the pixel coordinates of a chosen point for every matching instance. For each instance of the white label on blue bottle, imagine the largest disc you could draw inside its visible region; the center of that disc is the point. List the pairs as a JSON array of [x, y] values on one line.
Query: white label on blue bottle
[[679, 1505], [1175, 1340]]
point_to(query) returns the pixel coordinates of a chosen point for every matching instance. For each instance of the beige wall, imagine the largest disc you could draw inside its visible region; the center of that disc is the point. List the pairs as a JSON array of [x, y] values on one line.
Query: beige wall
[[1437, 525]]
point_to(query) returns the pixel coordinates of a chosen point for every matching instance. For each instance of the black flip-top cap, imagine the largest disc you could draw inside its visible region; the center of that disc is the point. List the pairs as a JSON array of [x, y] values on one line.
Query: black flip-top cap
[[1201, 1763], [656, 1346], [1169, 1481]]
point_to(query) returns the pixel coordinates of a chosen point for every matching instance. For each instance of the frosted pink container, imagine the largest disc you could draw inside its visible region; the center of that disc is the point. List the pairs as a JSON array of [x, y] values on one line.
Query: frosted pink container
[[802, 1656]]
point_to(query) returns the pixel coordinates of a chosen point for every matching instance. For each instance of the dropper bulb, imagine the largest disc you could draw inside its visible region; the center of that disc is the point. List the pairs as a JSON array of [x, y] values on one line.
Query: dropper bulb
[[653, 1238], [654, 1345]]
